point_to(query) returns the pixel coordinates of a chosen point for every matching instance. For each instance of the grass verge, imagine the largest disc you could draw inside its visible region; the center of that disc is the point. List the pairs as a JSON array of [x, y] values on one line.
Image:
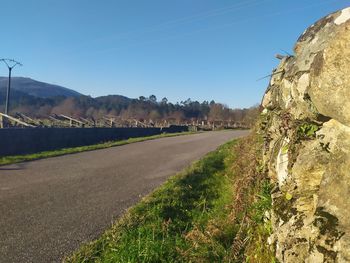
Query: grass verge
[[47, 154], [252, 204], [214, 211]]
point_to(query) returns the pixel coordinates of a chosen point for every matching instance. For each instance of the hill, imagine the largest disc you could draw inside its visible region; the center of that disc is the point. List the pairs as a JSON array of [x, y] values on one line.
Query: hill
[[39, 100], [36, 88]]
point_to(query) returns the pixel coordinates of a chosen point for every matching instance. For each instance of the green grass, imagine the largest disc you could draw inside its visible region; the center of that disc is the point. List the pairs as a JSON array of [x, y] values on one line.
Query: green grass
[[257, 249], [30, 157], [185, 220], [214, 211]]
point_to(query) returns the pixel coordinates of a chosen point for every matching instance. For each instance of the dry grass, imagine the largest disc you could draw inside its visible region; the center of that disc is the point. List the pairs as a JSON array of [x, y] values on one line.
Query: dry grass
[[251, 202]]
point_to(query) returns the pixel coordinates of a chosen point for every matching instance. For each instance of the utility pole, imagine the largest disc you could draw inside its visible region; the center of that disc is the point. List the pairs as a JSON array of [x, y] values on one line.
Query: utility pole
[[11, 64]]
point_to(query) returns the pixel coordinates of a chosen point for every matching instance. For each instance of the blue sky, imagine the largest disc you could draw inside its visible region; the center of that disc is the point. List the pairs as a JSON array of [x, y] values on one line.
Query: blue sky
[[179, 49]]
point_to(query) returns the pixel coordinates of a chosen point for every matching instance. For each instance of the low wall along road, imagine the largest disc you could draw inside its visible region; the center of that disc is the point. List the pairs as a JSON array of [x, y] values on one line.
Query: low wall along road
[[27, 140]]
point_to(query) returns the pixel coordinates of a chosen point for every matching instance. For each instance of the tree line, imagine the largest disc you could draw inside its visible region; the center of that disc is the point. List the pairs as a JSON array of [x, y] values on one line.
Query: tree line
[[142, 108]]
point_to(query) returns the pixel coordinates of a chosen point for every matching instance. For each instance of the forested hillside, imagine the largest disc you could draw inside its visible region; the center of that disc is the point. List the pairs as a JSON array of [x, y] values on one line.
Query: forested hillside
[[116, 105], [37, 88]]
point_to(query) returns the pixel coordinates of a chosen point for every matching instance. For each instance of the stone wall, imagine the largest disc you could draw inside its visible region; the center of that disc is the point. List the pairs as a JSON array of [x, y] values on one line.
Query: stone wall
[[306, 128], [32, 140]]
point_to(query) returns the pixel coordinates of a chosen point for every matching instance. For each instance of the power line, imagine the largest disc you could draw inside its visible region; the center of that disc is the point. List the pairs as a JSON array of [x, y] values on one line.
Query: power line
[[230, 24], [11, 64], [188, 19]]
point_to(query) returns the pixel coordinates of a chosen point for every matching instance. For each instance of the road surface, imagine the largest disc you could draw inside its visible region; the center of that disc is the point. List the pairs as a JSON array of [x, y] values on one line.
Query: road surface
[[49, 207]]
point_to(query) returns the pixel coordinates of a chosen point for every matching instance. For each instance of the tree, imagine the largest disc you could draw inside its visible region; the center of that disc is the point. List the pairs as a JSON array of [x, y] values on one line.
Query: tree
[[153, 99], [154, 115], [251, 115], [68, 107], [217, 112]]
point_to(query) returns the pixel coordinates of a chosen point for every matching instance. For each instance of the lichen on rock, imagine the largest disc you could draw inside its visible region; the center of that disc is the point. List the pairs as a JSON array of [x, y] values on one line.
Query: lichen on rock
[[307, 145]]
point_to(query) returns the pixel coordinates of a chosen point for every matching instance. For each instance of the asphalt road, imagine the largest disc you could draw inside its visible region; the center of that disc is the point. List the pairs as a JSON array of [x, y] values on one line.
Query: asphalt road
[[49, 207]]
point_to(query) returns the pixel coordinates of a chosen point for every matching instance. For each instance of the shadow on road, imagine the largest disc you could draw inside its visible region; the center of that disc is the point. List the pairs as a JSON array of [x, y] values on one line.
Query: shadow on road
[[14, 167]]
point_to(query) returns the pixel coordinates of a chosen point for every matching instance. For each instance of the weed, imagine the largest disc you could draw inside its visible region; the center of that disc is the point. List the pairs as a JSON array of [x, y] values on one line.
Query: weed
[[252, 204], [307, 130]]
